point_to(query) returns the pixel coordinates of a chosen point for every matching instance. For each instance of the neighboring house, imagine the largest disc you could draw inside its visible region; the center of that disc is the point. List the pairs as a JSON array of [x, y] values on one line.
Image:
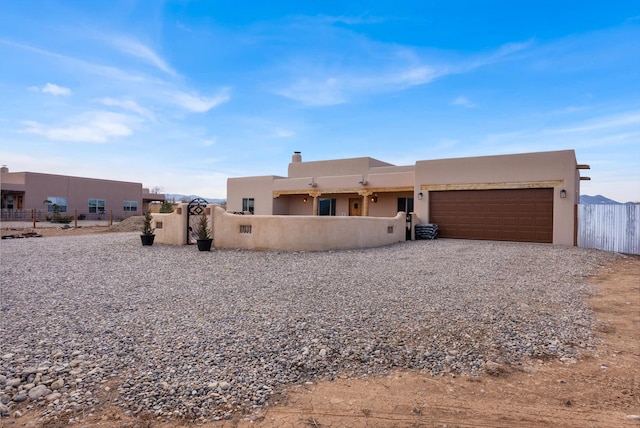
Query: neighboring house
[[24, 192], [527, 197]]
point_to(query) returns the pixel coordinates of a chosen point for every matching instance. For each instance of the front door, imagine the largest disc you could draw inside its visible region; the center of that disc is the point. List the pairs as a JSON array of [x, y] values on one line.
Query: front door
[[355, 206]]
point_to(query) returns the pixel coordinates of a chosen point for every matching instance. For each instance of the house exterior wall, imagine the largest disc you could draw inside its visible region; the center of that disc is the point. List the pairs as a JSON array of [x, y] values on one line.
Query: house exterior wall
[[366, 177], [39, 187], [354, 166], [555, 170], [259, 188]]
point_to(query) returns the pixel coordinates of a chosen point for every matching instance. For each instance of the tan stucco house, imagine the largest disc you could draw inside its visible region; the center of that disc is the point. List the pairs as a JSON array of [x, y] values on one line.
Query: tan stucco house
[[528, 197], [26, 192]]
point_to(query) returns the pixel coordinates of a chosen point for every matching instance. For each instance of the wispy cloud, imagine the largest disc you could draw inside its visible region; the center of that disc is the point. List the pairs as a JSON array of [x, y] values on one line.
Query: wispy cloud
[[79, 64], [129, 105], [91, 127], [311, 92], [283, 133], [135, 48], [197, 103], [462, 102], [323, 80], [352, 20], [602, 123], [52, 89]]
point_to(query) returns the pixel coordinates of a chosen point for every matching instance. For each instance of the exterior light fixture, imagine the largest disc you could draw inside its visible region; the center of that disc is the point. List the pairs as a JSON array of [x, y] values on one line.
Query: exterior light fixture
[[374, 198], [420, 195], [305, 200], [563, 194]]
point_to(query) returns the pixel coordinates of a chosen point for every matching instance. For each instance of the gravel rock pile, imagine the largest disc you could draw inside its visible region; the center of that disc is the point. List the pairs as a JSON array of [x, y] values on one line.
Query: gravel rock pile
[[96, 320], [129, 224]]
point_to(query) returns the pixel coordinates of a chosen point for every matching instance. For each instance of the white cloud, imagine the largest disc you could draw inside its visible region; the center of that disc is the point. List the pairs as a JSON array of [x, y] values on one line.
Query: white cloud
[[597, 124], [198, 103], [390, 68], [283, 133], [92, 127], [138, 50], [312, 92], [52, 89], [129, 105], [463, 102]]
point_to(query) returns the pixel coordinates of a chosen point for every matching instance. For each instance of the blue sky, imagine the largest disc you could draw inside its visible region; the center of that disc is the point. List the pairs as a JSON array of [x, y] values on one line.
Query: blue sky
[[182, 95]]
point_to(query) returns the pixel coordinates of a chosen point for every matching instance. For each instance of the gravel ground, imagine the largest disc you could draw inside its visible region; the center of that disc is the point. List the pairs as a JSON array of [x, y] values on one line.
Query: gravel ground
[[176, 333]]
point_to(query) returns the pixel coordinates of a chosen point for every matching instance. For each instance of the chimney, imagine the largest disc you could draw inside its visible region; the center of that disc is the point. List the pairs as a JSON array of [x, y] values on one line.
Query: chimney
[[4, 169], [297, 157]]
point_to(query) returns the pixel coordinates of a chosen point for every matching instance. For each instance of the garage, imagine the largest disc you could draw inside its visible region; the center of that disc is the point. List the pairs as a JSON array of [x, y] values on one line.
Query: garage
[[522, 215]]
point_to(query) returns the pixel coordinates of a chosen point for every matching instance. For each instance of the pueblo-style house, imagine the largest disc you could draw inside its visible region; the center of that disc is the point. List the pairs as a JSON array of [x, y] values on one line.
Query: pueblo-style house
[[529, 197]]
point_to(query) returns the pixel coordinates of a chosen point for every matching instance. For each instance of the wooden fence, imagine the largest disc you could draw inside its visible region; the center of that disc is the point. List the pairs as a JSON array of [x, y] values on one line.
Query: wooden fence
[[609, 227]]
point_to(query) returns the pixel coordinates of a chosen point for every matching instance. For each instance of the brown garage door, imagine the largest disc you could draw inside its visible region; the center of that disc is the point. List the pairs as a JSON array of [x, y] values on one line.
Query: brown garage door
[[524, 215]]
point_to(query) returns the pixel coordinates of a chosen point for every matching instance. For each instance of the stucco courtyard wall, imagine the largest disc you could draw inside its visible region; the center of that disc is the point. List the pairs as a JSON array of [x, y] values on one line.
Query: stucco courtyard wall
[[304, 233], [173, 228]]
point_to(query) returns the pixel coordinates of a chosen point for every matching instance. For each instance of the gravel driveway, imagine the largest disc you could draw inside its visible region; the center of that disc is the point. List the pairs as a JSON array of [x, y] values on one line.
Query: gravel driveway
[[174, 332]]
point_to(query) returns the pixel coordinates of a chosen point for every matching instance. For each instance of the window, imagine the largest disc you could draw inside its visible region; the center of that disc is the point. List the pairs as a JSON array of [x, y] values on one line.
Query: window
[[130, 206], [97, 206], [247, 204], [326, 206], [56, 204], [405, 204]]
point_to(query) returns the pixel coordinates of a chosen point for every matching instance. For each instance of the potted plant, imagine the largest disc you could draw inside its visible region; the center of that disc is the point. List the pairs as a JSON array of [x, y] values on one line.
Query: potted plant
[[147, 231], [203, 233]]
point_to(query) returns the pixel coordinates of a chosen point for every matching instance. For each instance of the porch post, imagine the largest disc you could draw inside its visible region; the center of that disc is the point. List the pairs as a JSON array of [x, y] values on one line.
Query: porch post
[[315, 196]]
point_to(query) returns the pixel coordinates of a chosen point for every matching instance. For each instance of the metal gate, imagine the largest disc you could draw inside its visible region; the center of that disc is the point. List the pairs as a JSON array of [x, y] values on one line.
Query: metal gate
[[196, 207]]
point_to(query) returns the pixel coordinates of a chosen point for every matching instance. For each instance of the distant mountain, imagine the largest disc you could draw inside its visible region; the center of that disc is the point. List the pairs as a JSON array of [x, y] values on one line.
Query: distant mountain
[[178, 198], [598, 199]]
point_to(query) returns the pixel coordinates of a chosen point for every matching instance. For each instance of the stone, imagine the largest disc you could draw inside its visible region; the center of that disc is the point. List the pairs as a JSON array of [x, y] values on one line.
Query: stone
[[57, 384], [496, 369], [53, 396], [39, 392], [20, 397], [13, 382]]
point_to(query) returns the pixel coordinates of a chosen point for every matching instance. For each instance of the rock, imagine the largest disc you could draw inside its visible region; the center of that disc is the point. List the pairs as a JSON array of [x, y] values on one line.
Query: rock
[[39, 392], [20, 397], [633, 417], [496, 369], [57, 384], [224, 385], [29, 371], [53, 396], [13, 382], [4, 411]]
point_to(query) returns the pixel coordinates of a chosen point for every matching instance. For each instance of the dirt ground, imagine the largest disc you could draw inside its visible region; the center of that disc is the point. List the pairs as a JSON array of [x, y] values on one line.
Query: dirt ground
[[600, 390]]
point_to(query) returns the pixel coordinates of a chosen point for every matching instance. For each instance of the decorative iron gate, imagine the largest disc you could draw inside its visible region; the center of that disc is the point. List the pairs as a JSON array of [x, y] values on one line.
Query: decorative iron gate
[[196, 207]]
